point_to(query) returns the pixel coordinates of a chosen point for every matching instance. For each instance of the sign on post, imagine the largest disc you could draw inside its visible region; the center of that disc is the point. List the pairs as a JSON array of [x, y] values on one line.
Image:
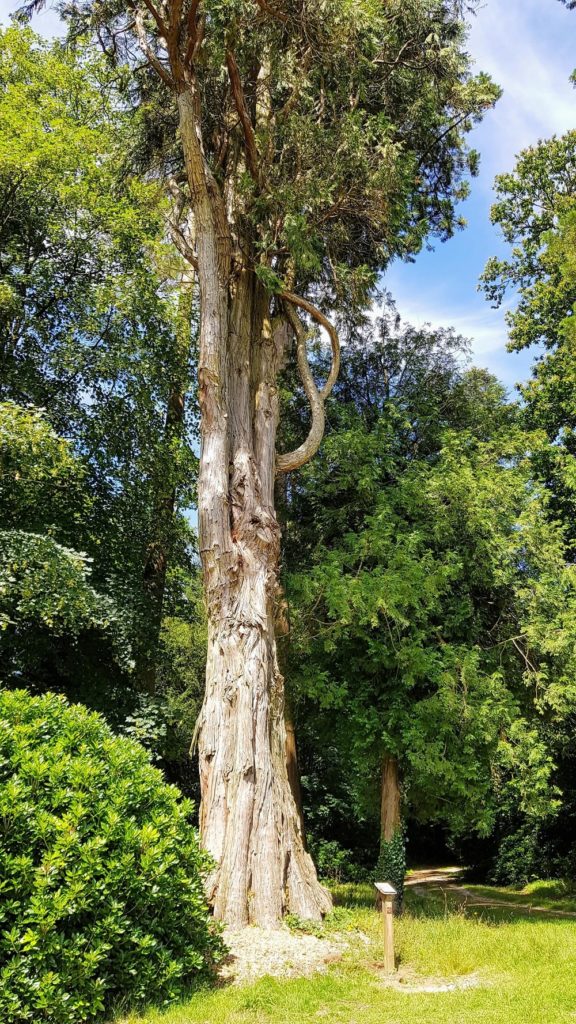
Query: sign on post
[[387, 895]]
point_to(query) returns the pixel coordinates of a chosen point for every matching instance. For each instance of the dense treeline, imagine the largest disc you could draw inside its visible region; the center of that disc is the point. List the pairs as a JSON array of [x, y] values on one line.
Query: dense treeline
[[430, 618], [97, 429]]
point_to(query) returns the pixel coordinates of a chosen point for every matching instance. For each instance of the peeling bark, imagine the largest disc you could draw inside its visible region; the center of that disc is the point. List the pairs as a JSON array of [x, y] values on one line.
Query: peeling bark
[[249, 821]]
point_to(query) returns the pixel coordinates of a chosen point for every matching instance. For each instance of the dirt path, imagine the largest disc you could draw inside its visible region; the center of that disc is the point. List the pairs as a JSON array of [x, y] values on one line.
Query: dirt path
[[447, 880]]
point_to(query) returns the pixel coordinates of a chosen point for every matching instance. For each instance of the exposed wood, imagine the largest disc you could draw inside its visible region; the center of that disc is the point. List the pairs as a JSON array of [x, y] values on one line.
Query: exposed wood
[[252, 159], [249, 820], [391, 800]]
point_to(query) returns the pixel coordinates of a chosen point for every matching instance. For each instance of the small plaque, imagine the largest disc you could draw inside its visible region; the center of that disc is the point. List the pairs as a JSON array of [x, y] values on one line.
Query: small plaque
[[385, 889]]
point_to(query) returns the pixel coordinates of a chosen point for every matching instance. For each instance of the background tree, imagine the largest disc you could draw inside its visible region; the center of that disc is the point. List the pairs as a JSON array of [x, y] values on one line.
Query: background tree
[[535, 210], [98, 324], [423, 676], [98, 329]]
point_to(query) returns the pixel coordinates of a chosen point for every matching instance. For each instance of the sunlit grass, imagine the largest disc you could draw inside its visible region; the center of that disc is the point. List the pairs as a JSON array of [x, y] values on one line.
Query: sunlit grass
[[525, 968], [554, 895]]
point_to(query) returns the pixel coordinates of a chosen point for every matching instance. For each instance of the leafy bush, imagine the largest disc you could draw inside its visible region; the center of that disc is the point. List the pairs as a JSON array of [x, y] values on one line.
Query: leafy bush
[[101, 894], [525, 854], [334, 862]]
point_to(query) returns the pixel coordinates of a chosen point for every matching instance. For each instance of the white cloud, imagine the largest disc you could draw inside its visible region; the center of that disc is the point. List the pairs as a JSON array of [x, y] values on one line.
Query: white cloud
[[528, 48]]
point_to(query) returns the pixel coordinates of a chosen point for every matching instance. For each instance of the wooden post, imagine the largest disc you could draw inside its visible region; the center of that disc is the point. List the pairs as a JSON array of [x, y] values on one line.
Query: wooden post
[[387, 894]]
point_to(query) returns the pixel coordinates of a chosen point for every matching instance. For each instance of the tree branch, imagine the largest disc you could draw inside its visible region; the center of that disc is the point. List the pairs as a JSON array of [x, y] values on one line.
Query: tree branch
[[293, 460], [176, 233], [182, 244], [161, 24], [245, 119], [319, 317], [195, 32], [148, 51]]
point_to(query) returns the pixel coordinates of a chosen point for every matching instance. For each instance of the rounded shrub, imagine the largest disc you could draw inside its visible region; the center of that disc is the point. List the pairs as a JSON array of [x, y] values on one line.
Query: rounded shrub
[[101, 891]]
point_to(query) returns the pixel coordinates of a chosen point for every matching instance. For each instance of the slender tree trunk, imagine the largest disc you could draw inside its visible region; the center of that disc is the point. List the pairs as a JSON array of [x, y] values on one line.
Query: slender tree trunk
[[390, 800], [392, 860]]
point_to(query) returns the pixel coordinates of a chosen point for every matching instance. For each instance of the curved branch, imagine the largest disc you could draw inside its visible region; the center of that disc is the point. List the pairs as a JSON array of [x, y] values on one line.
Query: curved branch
[[181, 243], [296, 300], [178, 237], [293, 460]]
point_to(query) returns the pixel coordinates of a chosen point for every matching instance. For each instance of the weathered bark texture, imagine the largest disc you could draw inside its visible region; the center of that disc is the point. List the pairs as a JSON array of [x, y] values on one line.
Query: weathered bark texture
[[249, 821]]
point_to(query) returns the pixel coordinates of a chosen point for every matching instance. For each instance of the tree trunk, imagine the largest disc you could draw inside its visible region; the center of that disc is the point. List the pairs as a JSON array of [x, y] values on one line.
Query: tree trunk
[[392, 860], [248, 818], [390, 800]]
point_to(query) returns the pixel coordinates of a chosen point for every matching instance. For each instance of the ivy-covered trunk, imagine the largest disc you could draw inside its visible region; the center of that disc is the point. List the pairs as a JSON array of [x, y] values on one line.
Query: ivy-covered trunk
[[391, 865]]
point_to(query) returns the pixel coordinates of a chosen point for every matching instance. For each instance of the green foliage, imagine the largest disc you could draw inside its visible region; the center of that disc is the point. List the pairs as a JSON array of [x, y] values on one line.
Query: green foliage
[[100, 869], [536, 212], [359, 122], [523, 855], [44, 584], [40, 477], [47, 600], [97, 327], [431, 616], [333, 862]]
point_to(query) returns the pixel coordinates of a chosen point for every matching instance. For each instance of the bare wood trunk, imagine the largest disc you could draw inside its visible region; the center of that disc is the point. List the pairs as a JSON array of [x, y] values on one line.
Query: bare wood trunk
[[390, 800], [249, 819]]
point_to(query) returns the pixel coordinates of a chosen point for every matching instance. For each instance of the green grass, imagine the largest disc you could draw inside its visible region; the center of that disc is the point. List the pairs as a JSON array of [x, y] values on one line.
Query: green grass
[[553, 895], [525, 966]]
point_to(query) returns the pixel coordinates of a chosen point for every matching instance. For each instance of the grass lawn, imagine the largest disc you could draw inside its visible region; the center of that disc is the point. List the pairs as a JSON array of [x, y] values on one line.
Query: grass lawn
[[556, 895], [525, 968]]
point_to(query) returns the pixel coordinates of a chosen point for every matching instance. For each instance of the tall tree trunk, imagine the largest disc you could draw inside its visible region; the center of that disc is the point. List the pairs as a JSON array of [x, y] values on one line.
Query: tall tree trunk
[[392, 860], [248, 818]]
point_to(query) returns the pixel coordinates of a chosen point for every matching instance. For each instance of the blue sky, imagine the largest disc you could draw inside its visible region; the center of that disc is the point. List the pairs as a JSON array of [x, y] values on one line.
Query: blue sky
[[529, 48]]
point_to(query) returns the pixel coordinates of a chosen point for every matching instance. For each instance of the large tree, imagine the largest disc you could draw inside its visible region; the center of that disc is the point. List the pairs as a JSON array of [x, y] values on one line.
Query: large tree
[[430, 603], [536, 211], [96, 323], [319, 141]]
